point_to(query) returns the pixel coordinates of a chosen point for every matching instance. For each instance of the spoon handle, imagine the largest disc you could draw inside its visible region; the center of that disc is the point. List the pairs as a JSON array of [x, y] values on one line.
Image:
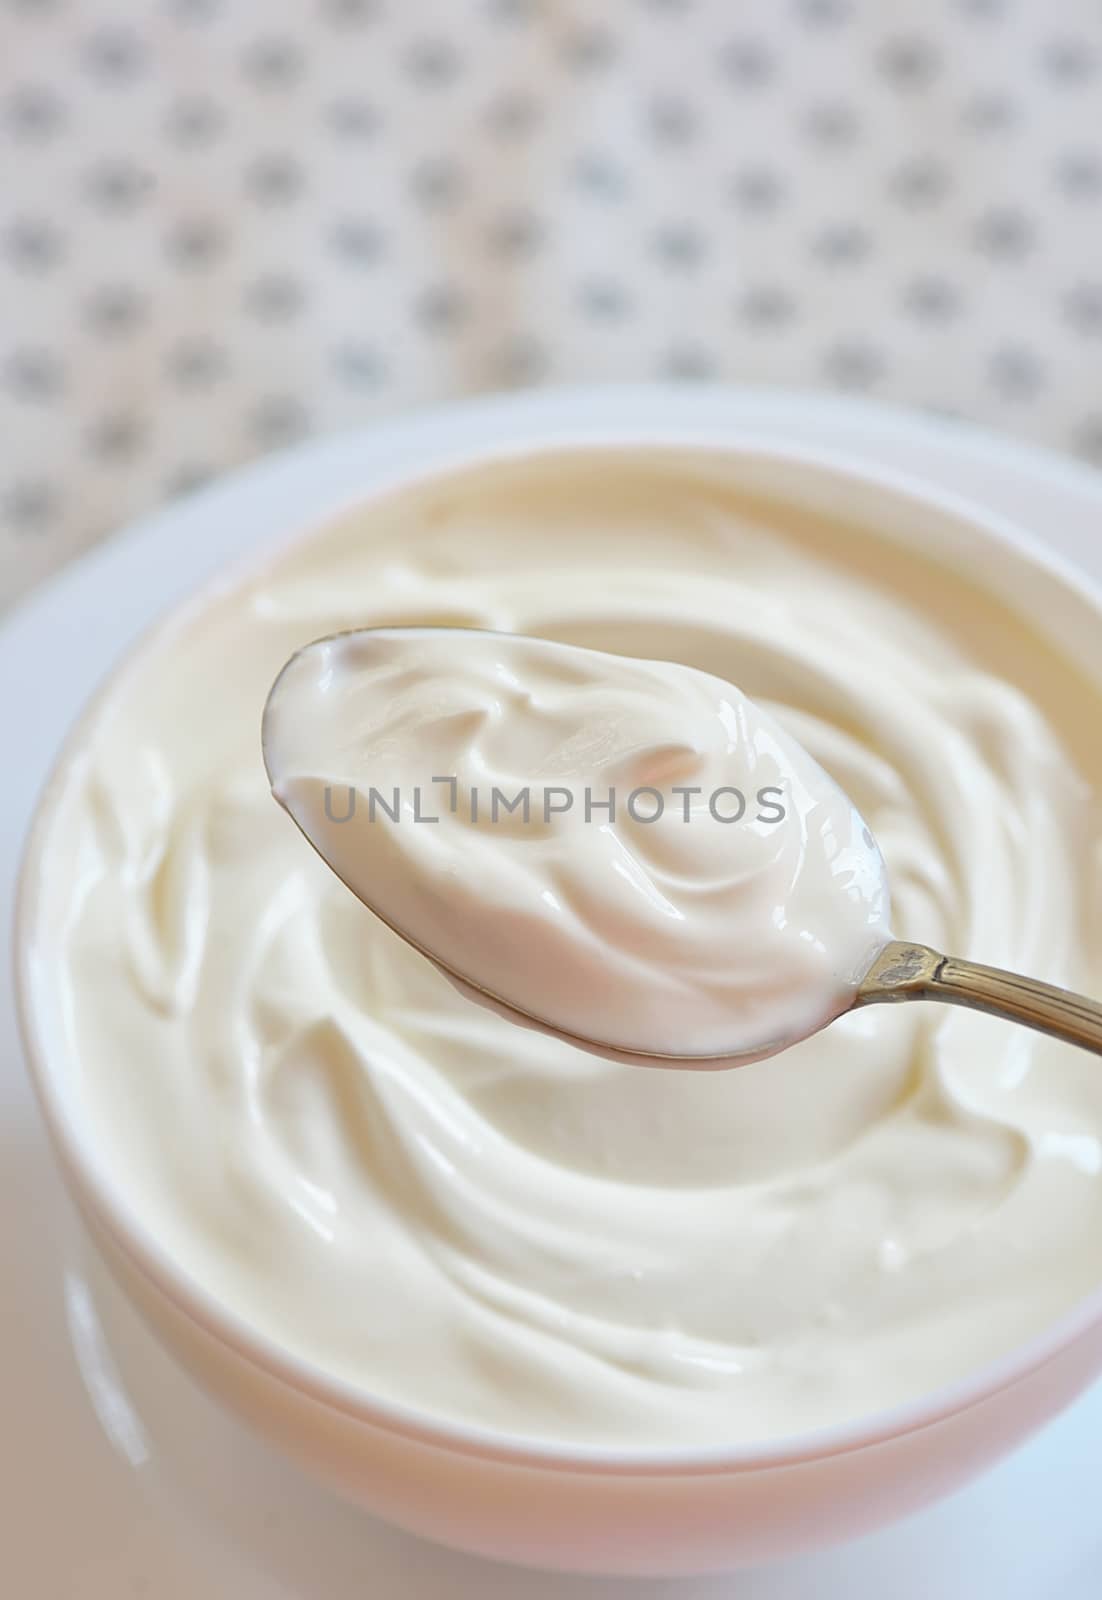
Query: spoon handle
[[914, 972]]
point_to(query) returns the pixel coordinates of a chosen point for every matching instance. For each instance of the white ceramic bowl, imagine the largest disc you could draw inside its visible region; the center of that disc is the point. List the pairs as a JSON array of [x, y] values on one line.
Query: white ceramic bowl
[[656, 1511]]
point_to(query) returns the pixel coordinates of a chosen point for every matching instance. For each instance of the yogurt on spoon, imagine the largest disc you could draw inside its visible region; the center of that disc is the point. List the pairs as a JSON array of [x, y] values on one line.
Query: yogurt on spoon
[[626, 851]]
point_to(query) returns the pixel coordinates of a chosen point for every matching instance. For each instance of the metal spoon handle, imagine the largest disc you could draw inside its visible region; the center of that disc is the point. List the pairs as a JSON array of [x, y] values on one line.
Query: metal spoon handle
[[914, 972]]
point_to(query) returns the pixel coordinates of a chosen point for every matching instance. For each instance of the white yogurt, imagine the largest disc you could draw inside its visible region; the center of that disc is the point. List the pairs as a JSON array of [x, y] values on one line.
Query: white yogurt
[[482, 1221], [628, 851]]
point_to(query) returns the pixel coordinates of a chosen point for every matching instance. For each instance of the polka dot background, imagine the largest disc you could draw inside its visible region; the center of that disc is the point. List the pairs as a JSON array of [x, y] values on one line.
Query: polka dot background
[[227, 224]]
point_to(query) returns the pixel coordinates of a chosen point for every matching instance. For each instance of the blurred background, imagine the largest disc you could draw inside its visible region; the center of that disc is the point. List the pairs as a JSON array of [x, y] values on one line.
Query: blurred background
[[226, 225]]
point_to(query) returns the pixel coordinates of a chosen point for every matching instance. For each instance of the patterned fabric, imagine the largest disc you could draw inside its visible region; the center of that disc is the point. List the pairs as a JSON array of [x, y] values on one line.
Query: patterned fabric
[[227, 224]]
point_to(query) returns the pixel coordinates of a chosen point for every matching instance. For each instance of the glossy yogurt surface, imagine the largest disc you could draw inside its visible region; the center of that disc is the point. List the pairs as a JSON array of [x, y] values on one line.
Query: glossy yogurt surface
[[629, 852]]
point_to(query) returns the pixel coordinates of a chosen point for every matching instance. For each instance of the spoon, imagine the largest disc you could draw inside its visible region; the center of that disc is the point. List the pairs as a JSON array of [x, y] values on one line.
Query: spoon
[[432, 678], [904, 971]]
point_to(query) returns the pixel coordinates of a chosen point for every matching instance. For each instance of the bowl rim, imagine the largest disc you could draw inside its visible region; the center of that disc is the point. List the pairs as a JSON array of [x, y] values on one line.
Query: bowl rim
[[105, 1202]]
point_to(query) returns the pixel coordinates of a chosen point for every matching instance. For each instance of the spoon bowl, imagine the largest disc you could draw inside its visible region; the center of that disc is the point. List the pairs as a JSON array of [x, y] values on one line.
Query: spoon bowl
[[375, 692]]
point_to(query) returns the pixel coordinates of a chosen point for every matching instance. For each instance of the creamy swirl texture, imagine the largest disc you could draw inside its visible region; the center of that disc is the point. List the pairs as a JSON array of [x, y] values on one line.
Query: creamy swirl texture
[[627, 851], [480, 1220]]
